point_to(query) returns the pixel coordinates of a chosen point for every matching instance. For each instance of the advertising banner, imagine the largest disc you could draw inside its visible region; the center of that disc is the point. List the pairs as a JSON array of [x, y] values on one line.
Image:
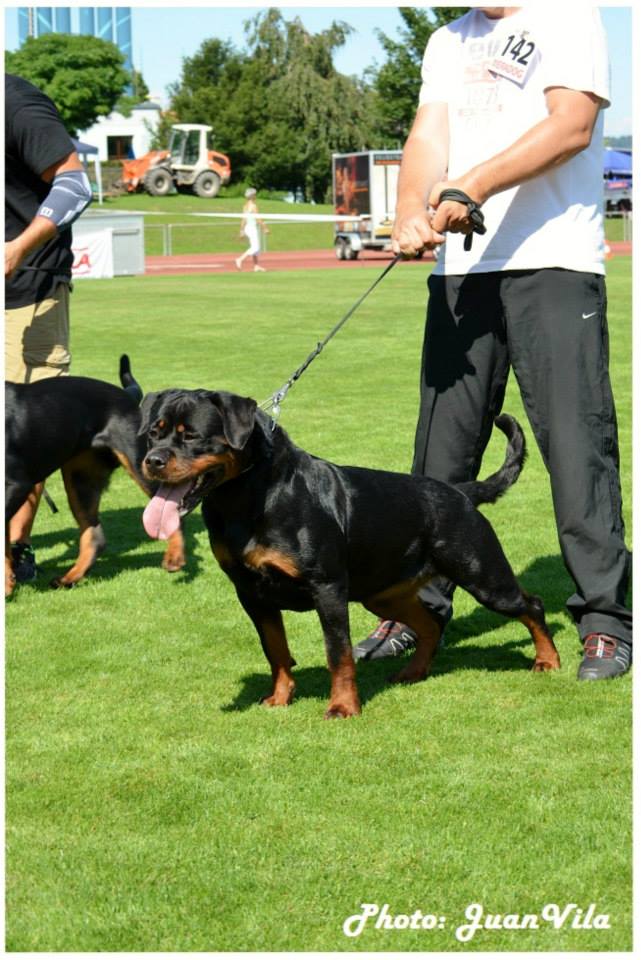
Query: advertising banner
[[93, 255]]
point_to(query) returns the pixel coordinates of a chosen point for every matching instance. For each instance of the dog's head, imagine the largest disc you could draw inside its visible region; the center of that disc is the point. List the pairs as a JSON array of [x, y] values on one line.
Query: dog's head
[[196, 440]]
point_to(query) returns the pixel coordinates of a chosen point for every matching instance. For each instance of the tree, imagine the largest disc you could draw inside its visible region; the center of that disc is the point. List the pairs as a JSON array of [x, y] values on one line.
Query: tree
[[312, 109], [210, 91], [140, 94], [84, 76], [281, 108], [398, 81]]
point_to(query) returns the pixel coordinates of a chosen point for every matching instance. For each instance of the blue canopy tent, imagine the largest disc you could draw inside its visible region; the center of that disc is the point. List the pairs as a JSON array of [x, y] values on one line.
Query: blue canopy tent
[[86, 152], [617, 163]]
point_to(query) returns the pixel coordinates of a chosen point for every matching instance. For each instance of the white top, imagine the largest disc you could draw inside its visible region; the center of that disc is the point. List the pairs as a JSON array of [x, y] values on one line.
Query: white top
[[493, 75]]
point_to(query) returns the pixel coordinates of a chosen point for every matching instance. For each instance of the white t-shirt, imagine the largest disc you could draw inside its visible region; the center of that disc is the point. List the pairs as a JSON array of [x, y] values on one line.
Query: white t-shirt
[[493, 75]]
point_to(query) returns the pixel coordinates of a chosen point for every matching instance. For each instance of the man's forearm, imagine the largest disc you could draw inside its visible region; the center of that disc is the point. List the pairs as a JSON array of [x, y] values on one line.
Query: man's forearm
[[548, 144], [422, 166], [566, 131]]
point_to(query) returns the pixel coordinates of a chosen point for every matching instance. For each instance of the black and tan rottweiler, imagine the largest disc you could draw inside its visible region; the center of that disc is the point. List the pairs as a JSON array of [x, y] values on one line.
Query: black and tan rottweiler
[[85, 428], [294, 532]]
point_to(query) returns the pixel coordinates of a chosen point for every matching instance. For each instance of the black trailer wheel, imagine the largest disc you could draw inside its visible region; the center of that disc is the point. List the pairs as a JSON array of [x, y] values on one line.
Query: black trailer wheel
[[206, 184], [350, 253], [158, 182]]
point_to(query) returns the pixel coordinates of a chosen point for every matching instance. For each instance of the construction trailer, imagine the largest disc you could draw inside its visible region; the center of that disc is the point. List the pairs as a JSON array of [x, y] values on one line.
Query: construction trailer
[[364, 190]]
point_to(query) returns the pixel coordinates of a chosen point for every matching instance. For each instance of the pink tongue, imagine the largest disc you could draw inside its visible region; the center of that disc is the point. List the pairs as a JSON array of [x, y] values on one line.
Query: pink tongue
[[161, 518]]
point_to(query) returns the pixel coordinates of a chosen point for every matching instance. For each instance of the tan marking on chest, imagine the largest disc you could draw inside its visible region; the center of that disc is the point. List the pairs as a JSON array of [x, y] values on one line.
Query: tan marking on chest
[[259, 557]]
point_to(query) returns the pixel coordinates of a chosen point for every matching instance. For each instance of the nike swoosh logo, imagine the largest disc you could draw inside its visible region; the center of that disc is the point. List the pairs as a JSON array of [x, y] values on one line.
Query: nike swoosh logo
[[586, 316]]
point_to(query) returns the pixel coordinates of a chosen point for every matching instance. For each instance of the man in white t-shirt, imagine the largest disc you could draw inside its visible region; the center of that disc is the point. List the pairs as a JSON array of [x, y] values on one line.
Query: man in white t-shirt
[[511, 113]]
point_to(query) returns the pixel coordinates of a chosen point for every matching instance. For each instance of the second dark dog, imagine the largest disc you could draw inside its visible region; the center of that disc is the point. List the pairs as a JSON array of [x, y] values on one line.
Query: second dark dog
[[294, 532], [86, 428]]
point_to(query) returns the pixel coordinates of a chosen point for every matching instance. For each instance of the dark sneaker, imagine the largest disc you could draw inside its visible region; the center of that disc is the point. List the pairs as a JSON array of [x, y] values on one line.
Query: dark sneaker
[[604, 657], [24, 562], [389, 639]]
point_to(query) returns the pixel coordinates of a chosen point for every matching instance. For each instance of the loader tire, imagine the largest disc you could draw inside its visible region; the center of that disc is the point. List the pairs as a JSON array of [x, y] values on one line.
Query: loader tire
[[158, 182], [207, 184]]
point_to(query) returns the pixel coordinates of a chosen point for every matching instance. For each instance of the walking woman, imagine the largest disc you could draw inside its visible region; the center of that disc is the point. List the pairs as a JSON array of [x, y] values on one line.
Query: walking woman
[[249, 228]]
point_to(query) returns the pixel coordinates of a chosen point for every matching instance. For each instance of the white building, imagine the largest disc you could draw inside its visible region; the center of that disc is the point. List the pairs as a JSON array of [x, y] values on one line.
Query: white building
[[121, 138]]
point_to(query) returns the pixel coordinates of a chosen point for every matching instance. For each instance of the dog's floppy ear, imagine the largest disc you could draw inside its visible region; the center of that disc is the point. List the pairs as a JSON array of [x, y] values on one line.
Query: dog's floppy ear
[[147, 408], [239, 417]]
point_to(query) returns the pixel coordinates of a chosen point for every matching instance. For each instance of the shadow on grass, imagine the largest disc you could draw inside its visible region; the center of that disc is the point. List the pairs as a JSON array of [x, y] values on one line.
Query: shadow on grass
[[373, 677], [546, 577], [124, 533]]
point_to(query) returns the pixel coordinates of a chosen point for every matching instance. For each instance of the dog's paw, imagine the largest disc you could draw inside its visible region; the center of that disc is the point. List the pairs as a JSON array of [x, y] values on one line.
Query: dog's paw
[[342, 710], [408, 676], [543, 666], [273, 701], [58, 583]]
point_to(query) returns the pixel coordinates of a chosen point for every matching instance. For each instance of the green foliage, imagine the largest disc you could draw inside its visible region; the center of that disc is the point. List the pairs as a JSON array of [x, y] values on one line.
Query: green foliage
[[624, 142], [398, 81], [280, 109], [84, 76], [127, 101]]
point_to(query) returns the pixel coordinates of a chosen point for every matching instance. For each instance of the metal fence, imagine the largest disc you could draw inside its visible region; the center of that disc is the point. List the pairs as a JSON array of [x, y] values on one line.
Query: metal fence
[[168, 229], [626, 216], [168, 233]]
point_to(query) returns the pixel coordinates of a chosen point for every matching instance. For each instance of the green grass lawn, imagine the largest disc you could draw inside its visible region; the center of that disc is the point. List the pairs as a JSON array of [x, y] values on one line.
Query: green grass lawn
[[153, 805]]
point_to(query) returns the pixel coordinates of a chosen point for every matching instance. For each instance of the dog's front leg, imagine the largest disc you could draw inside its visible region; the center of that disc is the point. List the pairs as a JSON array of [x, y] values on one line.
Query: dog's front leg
[[271, 630], [174, 558], [9, 575], [331, 606]]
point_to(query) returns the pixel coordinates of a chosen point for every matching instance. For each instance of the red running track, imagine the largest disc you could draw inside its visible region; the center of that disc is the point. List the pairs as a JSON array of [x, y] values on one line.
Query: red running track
[[286, 260]]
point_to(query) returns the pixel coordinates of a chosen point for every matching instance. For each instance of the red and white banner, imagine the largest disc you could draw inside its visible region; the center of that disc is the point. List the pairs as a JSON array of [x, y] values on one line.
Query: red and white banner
[[93, 255]]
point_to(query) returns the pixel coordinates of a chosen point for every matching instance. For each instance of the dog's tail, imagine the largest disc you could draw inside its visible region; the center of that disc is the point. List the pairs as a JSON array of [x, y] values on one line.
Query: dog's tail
[[489, 490], [128, 381]]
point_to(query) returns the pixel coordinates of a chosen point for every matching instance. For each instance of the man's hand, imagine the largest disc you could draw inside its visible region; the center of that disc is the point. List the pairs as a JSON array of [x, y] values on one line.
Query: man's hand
[[13, 256], [413, 231], [38, 232], [451, 216]]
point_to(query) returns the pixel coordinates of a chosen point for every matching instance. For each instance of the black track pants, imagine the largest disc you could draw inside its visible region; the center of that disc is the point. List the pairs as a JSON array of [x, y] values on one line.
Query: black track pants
[[550, 327]]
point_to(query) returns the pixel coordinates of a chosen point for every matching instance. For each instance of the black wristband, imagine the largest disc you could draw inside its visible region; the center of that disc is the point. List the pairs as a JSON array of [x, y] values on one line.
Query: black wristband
[[473, 210]]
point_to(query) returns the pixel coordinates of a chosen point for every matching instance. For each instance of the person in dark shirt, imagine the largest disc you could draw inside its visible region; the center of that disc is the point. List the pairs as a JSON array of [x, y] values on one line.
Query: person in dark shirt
[[46, 189]]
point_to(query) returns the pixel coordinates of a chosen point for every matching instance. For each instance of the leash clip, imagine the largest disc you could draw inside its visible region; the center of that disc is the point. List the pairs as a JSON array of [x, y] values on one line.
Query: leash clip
[[274, 402]]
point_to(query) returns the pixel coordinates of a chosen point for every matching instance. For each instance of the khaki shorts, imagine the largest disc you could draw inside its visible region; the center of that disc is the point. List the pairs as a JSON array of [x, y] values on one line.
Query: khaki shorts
[[37, 339]]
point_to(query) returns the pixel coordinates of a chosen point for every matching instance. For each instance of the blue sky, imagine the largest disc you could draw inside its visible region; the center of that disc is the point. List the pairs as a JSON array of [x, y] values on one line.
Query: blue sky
[[164, 34]]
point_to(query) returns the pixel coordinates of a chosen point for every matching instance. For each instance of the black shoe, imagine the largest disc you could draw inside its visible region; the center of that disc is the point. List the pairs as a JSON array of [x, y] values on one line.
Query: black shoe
[[24, 562], [389, 639], [604, 657]]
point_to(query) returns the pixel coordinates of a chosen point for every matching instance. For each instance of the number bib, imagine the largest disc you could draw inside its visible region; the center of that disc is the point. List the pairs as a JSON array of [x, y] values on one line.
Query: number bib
[[515, 60]]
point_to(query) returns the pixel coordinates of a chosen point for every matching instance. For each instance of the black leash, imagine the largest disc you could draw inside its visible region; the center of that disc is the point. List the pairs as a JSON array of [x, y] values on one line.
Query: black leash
[[473, 212], [49, 501], [277, 398]]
